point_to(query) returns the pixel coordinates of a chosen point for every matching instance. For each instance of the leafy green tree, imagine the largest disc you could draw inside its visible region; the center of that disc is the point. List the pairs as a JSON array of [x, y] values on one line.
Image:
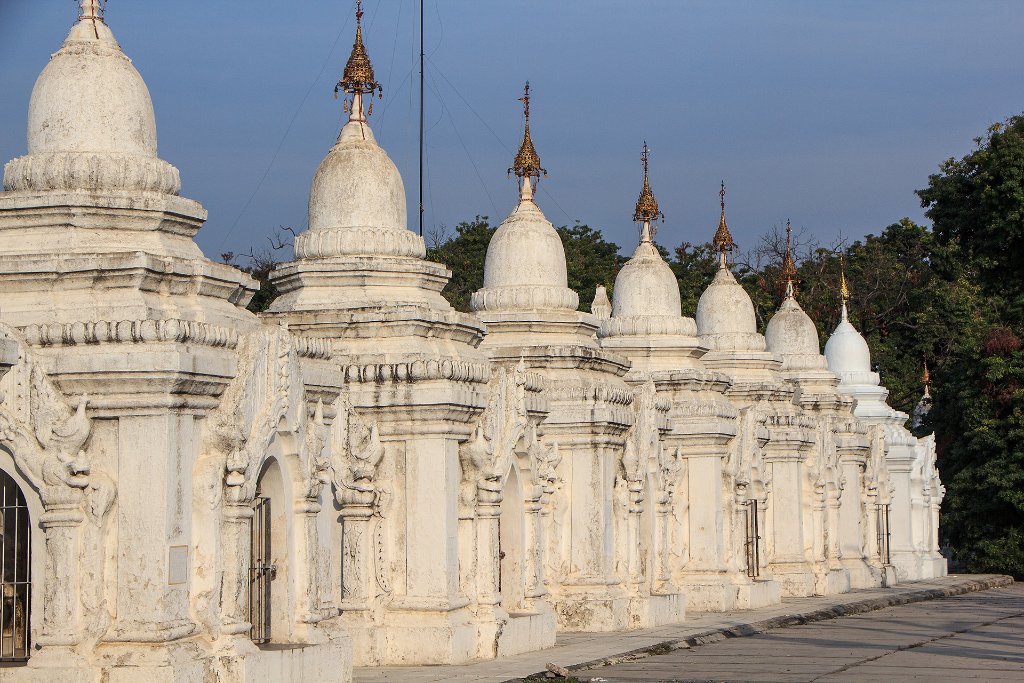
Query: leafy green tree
[[976, 204], [464, 254], [590, 261], [694, 266]]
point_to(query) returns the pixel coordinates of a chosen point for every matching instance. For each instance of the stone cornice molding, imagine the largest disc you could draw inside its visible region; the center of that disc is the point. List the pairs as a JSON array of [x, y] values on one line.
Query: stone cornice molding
[[692, 380], [760, 391], [705, 409], [147, 331], [358, 241], [90, 171], [422, 369], [590, 392], [525, 298], [648, 325], [733, 342]]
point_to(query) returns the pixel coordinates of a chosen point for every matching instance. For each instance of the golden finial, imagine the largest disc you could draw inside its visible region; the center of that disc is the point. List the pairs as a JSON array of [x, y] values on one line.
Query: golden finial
[[527, 161], [723, 238], [646, 206], [844, 290], [358, 78], [789, 272], [926, 379]]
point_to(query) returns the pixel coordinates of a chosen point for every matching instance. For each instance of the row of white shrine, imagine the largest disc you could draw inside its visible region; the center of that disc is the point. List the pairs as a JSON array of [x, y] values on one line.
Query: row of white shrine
[[363, 475]]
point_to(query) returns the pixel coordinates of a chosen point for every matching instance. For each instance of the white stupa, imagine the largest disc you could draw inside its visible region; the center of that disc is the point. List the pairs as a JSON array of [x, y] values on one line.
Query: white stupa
[[646, 321], [849, 357], [793, 337], [917, 490], [525, 265], [91, 124], [358, 264], [357, 204], [93, 184], [726, 323]]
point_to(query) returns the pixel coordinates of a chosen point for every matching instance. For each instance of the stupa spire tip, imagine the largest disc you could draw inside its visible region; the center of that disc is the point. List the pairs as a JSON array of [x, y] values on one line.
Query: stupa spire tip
[[723, 241], [358, 79], [647, 210], [526, 165]]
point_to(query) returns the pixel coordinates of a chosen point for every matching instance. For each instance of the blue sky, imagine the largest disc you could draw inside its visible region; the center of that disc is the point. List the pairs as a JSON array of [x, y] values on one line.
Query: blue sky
[[829, 112]]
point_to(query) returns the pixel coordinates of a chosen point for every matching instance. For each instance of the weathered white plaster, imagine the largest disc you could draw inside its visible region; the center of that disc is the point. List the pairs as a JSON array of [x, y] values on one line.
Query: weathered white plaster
[[442, 486]]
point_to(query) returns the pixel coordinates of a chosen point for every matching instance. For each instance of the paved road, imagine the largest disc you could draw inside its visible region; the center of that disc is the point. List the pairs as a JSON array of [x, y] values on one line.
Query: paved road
[[973, 637]]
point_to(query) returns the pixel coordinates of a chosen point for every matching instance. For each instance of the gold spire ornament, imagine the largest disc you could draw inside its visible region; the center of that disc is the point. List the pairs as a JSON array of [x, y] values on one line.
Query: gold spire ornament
[[926, 379], [647, 209], [723, 238], [844, 290], [527, 161], [789, 272], [358, 78]]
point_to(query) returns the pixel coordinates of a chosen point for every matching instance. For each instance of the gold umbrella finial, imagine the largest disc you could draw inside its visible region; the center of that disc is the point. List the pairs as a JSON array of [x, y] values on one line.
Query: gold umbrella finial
[[723, 238], [527, 161], [647, 209], [789, 271], [358, 78], [926, 378], [844, 289]]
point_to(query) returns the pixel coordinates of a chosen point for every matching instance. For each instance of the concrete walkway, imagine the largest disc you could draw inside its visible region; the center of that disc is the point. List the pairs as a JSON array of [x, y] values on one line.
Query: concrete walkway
[[973, 637], [582, 650]]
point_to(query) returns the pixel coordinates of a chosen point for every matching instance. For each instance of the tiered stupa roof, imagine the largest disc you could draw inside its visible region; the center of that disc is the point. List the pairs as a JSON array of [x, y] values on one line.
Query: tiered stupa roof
[[91, 124], [525, 266], [357, 204], [791, 334], [725, 313], [646, 299]]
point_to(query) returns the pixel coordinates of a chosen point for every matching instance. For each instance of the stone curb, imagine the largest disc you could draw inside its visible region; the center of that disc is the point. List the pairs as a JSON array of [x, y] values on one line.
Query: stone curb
[[845, 610]]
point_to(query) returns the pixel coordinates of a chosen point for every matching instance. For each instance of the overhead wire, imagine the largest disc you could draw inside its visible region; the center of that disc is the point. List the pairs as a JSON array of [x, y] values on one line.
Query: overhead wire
[[288, 130], [495, 134], [451, 120]]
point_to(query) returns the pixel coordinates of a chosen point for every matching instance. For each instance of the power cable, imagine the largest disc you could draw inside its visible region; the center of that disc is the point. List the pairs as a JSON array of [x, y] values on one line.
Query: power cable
[[287, 131]]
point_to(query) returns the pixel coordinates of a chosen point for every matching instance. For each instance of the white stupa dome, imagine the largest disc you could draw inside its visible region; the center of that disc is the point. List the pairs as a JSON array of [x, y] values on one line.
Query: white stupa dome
[[847, 352], [792, 335], [357, 200], [91, 124], [725, 316], [525, 265], [646, 285], [357, 204], [792, 332]]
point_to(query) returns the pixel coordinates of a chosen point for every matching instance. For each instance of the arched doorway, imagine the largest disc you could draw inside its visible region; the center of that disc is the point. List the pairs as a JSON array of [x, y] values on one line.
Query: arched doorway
[[269, 607], [511, 553], [15, 571]]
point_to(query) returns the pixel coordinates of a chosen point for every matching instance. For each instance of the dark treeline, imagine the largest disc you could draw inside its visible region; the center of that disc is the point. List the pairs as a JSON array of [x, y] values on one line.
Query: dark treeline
[[952, 295]]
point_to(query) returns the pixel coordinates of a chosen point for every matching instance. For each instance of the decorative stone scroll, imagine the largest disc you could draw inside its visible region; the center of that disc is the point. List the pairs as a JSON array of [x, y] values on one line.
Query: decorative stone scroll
[[266, 401], [47, 439], [356, 456]]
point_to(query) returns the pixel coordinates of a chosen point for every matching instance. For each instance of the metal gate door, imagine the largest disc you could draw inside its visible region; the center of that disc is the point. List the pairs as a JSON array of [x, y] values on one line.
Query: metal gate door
[[261, 573], [883, 534], [15, 572], [753, 540]]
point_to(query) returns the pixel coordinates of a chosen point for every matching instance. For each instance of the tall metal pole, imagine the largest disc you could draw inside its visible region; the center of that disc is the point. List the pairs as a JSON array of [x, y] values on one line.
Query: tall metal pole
[[421, 118]]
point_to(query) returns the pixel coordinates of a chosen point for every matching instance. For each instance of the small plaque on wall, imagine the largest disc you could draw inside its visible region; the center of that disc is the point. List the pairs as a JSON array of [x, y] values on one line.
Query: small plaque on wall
[[177, 565]]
